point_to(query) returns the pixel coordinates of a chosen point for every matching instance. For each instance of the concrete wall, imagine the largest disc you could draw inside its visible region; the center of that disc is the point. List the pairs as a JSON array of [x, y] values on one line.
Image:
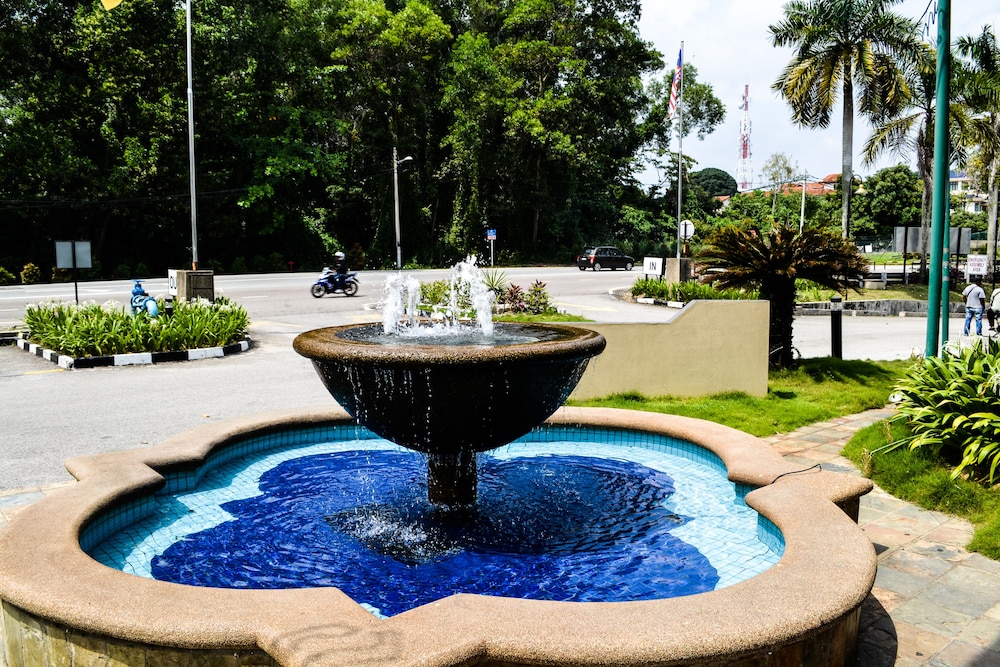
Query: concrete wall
[[708, 348]]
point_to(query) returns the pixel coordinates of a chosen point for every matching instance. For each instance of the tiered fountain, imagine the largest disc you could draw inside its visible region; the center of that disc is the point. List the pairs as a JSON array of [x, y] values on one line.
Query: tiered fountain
[[450, 397]]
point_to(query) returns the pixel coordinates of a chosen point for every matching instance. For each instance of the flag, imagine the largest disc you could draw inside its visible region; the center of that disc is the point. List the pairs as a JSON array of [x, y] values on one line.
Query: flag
[[110, 4], [676, 85]]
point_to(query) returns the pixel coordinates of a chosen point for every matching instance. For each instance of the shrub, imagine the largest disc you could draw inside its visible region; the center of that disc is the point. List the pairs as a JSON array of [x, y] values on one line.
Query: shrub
[[686, 291], [31, 274], [537, 301], [239, 265], [92, 329], [6, 277], [123, 272], [513, 298], [61, 275], [952, 405], [141, 270], [356, 257]]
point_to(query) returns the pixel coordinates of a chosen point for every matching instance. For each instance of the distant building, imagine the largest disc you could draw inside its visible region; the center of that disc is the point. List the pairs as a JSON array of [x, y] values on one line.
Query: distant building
[[960, 184]]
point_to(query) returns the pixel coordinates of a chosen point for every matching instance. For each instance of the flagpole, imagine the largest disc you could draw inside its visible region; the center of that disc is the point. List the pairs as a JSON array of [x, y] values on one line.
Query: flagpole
[[191, 162], [680, 142]]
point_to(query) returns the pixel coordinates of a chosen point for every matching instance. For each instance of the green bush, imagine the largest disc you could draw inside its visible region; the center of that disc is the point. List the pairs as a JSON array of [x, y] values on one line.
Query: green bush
[[31, 274], [537, 300], [61, 275], [6, 277], [684, 292], [123, 272], [92, 329], [952, 406]]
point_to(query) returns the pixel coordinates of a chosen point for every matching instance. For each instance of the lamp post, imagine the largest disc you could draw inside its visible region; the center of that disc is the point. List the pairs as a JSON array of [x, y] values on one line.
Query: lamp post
[[191, 162], [395, 198]]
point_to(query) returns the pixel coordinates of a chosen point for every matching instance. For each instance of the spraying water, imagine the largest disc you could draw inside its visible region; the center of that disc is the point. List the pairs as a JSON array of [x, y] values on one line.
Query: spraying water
[[403, 313]]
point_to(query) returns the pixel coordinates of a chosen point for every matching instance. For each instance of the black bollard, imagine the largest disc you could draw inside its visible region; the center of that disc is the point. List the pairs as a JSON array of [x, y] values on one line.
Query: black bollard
[[836, 337]]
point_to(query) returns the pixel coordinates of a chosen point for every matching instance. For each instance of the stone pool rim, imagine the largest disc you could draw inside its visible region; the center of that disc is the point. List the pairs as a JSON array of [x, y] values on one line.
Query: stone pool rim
[[807, 604]]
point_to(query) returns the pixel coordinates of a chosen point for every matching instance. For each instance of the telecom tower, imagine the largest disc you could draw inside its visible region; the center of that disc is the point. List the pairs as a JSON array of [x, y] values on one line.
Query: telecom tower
[[744, 170]]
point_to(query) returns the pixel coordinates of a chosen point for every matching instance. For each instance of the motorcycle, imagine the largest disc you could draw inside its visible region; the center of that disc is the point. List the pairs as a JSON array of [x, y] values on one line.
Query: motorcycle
[[330, 283]]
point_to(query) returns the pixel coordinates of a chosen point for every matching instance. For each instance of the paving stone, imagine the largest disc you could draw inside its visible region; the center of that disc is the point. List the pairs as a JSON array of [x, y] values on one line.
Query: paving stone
[[960, 654], [928, 615]]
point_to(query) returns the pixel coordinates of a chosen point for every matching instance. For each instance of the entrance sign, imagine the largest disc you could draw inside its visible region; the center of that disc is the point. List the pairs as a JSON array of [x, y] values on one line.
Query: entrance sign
[[652, 266]]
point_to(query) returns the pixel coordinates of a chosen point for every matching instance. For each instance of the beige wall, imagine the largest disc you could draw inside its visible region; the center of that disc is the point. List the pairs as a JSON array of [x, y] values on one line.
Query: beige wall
[[708, 348]]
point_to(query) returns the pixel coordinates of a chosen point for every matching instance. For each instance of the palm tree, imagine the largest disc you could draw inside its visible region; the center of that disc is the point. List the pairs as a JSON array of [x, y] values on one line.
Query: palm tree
[[912, 131], [979, 81], [772, 261], [842, 45]]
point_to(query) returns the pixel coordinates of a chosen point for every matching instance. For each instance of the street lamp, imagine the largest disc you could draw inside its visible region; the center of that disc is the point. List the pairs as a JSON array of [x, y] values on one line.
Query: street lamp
[[395, 198]]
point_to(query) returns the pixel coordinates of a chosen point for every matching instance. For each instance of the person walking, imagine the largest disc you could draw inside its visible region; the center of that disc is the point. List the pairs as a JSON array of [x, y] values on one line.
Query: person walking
[[993, 309], [975, 298]]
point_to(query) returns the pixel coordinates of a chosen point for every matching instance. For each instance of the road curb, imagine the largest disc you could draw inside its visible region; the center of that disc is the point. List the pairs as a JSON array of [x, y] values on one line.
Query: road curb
[[138, 358]]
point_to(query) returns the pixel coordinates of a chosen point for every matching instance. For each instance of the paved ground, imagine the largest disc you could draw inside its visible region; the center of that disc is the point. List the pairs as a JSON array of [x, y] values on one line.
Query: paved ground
[[933, 602]]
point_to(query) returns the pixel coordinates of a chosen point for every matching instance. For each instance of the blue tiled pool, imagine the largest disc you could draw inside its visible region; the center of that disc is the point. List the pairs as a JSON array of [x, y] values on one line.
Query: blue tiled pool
[[579, 514]]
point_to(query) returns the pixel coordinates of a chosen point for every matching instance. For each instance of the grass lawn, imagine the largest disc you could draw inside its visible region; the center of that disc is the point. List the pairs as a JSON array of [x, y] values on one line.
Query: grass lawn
[[819, 389]]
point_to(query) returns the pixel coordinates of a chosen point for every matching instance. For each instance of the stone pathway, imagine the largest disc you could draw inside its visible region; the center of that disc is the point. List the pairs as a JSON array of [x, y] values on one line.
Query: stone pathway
[[933, 603]]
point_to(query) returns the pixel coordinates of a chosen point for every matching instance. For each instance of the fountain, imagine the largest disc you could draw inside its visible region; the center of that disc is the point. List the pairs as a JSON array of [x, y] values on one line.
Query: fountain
[[449, 400]]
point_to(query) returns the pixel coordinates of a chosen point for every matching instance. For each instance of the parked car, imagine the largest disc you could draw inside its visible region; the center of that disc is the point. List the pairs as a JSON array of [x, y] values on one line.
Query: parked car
[[604, 257]]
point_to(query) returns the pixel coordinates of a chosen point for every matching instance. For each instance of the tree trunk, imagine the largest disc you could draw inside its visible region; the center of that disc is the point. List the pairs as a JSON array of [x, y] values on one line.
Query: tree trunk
[[847, 153], [991, 225], [780, 292]]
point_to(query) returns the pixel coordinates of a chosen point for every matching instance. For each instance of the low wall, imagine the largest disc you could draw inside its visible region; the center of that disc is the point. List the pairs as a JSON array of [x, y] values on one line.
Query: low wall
[[708, 348]]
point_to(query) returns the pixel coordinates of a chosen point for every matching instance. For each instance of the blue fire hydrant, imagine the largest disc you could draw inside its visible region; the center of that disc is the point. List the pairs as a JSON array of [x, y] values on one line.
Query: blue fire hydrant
[[142, 302]]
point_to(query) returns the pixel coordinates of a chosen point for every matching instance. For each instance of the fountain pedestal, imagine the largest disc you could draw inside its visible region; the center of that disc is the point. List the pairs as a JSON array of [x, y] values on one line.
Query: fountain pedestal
[[451, 397]]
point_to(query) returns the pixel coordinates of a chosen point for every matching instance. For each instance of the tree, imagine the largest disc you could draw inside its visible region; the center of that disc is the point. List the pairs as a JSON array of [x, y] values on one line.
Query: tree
[[844, 49], [912, 131], [771, 261], [892, 198], [716, 182], [979, 81]]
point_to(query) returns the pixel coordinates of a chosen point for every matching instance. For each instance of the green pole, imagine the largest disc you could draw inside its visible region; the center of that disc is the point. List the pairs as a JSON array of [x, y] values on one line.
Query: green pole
[[946, 272], [940, 198]]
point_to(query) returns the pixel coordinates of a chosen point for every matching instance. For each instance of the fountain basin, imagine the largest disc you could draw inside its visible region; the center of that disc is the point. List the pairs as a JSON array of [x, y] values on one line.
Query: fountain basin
[[439, 396], [804, 610]]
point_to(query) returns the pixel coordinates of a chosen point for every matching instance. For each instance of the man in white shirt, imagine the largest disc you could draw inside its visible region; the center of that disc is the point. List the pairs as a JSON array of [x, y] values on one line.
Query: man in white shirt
[[974, 298]]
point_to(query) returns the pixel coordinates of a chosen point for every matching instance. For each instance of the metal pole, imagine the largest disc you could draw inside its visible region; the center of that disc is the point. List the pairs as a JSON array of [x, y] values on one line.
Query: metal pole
[[802, 213], [395, 199], [191, 163], [836, 327], [680, 150], [940, 200]]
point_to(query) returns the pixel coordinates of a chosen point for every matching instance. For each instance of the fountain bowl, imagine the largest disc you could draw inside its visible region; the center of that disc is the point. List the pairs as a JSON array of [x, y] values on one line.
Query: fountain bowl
[[58, 602], [445, 394]]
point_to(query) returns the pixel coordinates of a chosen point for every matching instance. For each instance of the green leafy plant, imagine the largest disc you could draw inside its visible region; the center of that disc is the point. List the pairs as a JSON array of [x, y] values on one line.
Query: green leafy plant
[[684, 292], [537, 300], [92, 329], [31, 274], [6, 277], [952, 406], [496, 281]]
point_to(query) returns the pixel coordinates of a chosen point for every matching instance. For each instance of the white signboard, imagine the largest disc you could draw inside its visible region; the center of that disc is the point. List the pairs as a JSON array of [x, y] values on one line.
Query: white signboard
[[975, 266], [172, 282], [687, 229], [652, 266], [73, 255]]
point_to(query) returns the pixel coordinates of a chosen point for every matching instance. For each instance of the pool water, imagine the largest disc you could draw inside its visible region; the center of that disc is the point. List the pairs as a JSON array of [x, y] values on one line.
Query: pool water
[[590, 518]]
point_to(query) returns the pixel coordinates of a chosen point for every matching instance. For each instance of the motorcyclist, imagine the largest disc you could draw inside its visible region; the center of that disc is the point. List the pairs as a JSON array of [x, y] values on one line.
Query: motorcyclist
[[339, 269]]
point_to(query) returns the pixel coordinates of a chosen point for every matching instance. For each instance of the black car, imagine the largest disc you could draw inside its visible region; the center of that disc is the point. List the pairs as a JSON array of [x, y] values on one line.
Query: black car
[[604, 257]]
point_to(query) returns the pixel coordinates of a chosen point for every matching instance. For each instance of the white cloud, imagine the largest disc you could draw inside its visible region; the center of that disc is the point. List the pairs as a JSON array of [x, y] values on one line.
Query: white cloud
[[727, 40]]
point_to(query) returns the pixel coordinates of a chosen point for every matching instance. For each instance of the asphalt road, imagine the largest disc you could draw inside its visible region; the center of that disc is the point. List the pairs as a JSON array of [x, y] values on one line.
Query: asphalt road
[[48, 414]]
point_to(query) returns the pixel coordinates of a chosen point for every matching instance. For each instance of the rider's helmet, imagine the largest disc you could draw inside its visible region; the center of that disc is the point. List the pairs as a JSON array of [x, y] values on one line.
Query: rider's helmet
[[338, 255]]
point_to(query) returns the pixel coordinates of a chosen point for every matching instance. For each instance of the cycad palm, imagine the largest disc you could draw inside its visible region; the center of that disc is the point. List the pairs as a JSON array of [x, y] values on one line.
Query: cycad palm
[[772, 261], [842, 45], [912, 131]]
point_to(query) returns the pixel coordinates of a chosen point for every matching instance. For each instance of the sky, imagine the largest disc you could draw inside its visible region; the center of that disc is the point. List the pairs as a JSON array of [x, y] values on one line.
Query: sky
[[728, 41]]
